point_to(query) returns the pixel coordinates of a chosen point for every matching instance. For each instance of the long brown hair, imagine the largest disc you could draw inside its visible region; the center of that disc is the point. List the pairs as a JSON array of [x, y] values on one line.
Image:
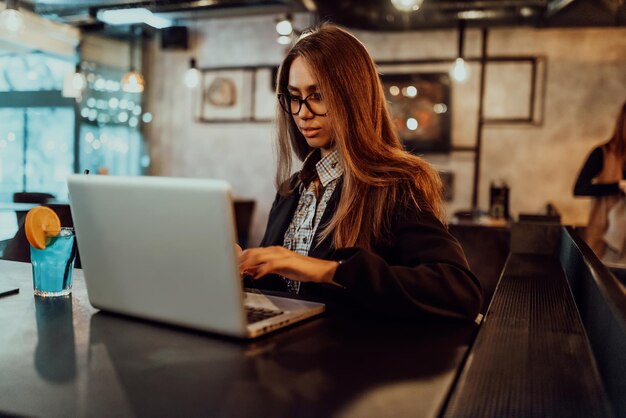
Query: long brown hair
[[617, 143], [379, 176]]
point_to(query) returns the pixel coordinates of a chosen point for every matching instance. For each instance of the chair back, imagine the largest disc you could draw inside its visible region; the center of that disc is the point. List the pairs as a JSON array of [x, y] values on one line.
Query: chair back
[[29, 197], [32, 197], [244, 209]]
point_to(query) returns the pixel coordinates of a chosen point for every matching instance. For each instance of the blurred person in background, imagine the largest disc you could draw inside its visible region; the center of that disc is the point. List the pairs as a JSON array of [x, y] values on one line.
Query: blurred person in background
[[603, 176]]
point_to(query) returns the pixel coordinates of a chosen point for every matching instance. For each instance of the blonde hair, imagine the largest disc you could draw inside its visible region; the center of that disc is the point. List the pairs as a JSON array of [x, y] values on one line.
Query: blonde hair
[[378, 173], [617, 143]]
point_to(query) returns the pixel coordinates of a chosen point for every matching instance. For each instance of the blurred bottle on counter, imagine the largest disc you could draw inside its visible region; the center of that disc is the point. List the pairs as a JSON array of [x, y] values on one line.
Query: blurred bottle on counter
[[499, 200]]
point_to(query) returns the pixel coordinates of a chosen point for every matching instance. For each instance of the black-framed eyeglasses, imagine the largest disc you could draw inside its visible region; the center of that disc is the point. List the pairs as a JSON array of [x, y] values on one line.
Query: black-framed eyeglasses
[[293, 104]]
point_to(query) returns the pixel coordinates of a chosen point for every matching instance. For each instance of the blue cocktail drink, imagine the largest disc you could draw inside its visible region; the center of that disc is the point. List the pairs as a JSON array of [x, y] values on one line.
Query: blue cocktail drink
[[53, 265]]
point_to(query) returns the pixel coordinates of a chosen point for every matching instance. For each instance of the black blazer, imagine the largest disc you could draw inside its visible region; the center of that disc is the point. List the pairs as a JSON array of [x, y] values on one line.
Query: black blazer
[[423, 272]]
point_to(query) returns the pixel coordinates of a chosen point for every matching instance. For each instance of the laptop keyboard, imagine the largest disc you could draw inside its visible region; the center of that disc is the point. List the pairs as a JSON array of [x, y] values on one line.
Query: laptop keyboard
[[259, 314]]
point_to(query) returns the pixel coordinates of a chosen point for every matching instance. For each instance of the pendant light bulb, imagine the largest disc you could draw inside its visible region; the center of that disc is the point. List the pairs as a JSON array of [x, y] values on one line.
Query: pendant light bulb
[[284, 27], [132, 82], [460, 70], [192, 75], [78, 80], [407, 5], [11, 20]]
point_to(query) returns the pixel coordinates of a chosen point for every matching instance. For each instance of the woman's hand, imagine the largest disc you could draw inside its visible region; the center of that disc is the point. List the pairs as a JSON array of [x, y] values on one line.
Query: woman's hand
[[622, 185], [257, 262]]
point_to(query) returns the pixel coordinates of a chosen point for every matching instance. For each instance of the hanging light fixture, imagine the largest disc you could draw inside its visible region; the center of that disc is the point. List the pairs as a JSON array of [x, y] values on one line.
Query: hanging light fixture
[[11, 20], [191, 78], [285, 29], [192, 75], [135, 15], [460, 71], [74, 83], [407, 5], [78, 79], [133, 81]]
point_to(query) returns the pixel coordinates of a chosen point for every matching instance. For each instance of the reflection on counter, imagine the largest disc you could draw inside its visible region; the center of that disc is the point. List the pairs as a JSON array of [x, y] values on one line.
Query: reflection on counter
[[55, 356]]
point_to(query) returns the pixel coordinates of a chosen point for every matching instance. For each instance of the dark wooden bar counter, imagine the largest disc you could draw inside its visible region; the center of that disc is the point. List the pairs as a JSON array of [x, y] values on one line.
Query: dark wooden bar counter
[[552, 343], [61, 357]]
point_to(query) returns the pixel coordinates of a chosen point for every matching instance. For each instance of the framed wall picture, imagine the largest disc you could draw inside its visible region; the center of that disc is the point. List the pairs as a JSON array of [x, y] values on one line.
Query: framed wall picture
[[421, 109], [265, 101], [226, 95]]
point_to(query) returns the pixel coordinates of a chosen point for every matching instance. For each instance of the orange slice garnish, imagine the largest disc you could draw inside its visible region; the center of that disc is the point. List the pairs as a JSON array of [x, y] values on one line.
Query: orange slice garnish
[[41, 223]]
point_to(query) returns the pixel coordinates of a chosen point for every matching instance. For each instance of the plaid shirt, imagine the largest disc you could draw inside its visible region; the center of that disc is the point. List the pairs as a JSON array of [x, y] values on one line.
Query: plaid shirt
[[306, 219]]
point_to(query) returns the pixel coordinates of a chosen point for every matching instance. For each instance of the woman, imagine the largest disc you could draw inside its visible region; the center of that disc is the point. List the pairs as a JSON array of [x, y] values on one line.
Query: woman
[[603, 177], [360, 224]]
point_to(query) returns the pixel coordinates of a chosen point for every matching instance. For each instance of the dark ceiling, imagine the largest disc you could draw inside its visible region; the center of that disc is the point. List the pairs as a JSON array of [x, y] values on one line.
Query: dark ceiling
[[381, 15], [362, 14]]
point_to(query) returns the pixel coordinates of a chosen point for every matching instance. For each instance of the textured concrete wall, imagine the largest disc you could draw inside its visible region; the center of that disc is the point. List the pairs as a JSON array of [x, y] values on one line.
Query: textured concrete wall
[[585, 85]]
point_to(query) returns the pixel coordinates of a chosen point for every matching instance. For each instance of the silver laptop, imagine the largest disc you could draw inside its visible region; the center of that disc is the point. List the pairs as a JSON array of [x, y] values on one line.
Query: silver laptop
[[164, 249]]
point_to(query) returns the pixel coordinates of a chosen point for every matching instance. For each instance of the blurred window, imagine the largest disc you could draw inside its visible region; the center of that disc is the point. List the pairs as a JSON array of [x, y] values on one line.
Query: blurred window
[[34, 71], [110, 125], [45, 136]]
